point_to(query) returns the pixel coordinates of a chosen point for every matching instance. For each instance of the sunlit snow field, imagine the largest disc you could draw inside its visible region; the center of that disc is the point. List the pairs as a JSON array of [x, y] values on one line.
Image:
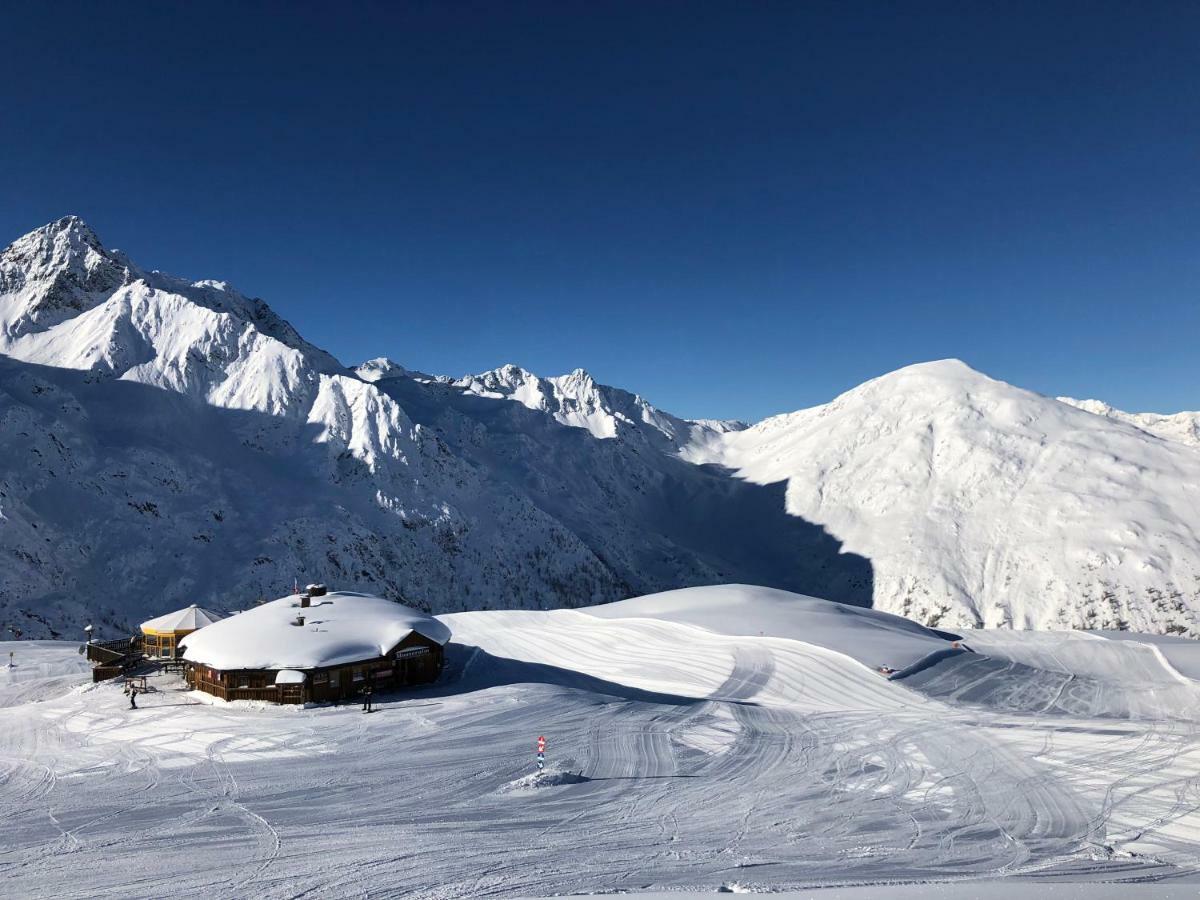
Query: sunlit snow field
[[716, 738]]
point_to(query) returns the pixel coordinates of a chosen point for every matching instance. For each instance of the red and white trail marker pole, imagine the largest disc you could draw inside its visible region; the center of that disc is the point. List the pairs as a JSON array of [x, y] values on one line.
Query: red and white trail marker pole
[[541, 754]]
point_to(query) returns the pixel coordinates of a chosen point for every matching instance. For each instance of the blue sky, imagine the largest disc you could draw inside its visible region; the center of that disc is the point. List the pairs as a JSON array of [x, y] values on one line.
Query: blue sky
[[734, 209]]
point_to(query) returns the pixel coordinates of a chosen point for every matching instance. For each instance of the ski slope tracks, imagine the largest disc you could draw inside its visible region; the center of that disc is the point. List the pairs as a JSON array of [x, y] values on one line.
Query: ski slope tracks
[[709, 739]]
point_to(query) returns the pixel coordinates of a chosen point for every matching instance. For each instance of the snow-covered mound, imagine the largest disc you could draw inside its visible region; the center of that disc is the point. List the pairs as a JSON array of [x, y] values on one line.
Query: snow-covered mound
[[340, 627], [871, 637], [734, 642], [981, 504], [544, 779]]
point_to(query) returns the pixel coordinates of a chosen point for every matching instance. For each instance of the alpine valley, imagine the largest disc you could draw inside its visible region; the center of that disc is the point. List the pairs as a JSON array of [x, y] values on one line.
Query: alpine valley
[[165, 442]]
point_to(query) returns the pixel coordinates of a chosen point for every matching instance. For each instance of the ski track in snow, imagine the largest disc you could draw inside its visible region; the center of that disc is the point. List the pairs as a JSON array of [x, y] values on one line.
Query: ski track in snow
[[707, 760]]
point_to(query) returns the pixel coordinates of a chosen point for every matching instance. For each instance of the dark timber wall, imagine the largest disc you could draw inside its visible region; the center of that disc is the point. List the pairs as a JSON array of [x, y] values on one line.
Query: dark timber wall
[[415, 660]]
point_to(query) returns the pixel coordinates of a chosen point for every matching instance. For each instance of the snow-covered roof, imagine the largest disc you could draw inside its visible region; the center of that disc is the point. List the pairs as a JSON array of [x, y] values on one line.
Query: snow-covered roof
[[188, 619], [339, 627], [289, 676]]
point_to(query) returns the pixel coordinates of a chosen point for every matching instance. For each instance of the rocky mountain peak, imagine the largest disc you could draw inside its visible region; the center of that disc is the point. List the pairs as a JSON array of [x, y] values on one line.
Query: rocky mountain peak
[[55, 272]]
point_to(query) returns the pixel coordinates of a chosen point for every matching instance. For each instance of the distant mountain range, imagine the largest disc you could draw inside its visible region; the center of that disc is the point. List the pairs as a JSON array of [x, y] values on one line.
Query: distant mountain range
[[165, 442]]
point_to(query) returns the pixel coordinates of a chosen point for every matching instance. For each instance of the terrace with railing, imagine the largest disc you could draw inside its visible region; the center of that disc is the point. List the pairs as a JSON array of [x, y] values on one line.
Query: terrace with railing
[[115, 657]]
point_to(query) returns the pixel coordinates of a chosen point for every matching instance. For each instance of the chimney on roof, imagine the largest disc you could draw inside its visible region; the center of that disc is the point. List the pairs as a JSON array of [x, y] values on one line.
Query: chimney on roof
[[316, 590], [299, 621], [305, 600]]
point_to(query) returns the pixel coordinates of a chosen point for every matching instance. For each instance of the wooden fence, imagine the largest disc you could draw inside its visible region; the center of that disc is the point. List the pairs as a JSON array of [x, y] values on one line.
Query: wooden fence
[[112, 651], [287, 693]]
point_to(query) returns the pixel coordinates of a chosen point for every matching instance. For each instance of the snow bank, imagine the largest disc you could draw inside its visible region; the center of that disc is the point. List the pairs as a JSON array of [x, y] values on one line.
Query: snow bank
[[1183, 654], [535, 780], [339, 627]]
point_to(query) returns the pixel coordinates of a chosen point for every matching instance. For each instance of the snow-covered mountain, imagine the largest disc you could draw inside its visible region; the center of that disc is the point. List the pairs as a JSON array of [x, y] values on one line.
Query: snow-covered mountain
[[981, 504], [1183, 427], [649, 514], [576, 400], [167, 442]]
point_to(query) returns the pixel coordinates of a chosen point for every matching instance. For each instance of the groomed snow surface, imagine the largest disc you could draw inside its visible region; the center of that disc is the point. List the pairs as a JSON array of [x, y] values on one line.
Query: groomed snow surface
[[726, 738]]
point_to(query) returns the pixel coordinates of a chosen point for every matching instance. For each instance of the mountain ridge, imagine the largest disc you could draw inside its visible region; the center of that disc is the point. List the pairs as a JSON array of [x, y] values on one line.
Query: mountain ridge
[[933, 491]]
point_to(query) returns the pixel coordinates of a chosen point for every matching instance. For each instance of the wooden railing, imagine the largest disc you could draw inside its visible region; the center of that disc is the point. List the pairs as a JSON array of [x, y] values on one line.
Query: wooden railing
[[112, 651], [272, 694], [112, 658]]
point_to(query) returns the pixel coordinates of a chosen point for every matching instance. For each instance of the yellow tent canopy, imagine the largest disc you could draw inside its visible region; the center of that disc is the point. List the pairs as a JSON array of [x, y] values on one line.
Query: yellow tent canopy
[[162, 634]]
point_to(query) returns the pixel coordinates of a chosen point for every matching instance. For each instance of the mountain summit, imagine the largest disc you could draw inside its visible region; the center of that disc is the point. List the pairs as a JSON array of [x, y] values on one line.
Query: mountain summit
[[54, 272], [982, 504]]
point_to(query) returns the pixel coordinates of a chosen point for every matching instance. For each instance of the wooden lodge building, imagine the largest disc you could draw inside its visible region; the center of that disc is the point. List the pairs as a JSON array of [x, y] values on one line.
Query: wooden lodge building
[[315, 647]]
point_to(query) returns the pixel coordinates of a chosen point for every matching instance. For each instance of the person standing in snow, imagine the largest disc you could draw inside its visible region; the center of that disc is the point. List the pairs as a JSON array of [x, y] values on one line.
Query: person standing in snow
[[367, 699], [132, 697]]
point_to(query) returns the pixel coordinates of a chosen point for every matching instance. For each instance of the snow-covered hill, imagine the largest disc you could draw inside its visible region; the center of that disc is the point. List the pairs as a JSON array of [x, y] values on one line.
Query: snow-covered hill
[[981, 504]]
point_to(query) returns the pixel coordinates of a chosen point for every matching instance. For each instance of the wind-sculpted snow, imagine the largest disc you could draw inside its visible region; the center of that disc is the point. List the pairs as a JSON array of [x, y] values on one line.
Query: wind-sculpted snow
[[874, 638], [1063, 672], [980, 504], [679, 759]]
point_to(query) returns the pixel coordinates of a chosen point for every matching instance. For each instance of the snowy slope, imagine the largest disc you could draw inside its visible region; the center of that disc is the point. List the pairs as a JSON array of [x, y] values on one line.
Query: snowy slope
[[701, 757], [658, 520], [1183, 427], [871, 637], [981, 504]]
